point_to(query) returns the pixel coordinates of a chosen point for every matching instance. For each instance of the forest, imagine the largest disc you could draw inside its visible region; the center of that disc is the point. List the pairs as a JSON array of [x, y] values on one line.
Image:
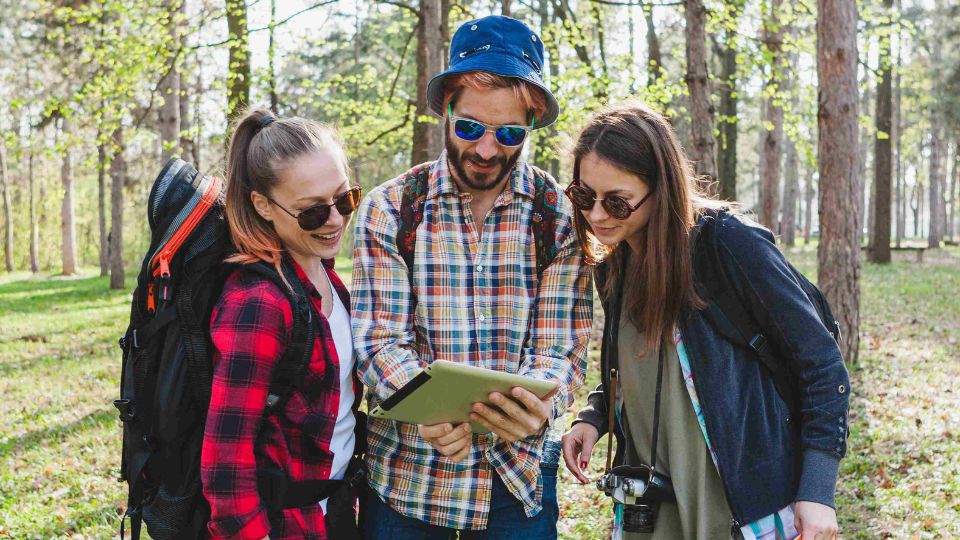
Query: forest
[[835, 123]]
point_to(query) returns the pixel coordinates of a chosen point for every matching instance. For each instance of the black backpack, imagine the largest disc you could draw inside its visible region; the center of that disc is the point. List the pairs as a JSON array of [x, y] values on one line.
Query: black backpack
[[730, 317], [166, 373], [546, 211]]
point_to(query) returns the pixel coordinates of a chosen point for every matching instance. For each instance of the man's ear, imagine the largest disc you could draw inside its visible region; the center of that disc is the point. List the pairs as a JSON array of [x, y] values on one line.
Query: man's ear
[[262, 205]]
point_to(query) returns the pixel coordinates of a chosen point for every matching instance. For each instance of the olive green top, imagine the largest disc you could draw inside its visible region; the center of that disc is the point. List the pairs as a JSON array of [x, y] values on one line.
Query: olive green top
[[701, 510]]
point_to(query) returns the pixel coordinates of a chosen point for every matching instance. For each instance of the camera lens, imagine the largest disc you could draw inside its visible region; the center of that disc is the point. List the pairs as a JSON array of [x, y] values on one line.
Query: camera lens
[[639, 518]]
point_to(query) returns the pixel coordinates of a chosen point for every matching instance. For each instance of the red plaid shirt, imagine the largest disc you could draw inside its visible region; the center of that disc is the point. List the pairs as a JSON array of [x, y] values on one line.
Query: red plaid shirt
[[250, 326]]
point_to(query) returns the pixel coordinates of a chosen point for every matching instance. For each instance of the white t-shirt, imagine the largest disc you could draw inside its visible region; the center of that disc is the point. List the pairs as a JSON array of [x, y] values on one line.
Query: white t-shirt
[[343, 437]]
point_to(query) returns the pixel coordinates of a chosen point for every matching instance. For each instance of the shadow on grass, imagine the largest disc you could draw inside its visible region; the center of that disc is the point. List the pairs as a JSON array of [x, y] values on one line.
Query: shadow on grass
[[59, 294], [85, 352], [44, 436]]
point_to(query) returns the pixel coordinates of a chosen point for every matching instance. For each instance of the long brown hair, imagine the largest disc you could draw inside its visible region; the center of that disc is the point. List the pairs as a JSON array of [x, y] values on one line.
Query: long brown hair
[[639, 140], [260, 147]]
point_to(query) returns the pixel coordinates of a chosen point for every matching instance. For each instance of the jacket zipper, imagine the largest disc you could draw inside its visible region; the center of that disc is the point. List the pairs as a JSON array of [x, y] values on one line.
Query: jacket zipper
[[160, 264]]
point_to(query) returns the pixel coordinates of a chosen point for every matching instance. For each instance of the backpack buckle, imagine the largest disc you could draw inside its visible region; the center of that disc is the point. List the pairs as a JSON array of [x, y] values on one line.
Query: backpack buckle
[[358, 478], [272, 400], [125, 406], [758, 343]]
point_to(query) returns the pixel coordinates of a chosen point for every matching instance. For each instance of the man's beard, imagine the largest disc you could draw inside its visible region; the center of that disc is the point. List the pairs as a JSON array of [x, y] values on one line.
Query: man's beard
[[480, 182]]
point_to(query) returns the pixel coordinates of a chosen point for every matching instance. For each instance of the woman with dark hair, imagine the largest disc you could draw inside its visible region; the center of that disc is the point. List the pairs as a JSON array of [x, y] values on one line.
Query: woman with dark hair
[[690, 408], [288, 202]]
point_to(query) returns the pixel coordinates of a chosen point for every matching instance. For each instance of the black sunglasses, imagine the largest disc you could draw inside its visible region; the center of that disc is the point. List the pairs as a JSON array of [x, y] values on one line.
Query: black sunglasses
[[314, 217], [583, 199]]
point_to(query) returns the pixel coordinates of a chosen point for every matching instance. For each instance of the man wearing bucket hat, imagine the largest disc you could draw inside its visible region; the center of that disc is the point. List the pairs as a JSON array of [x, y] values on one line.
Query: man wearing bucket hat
[[473, 259]]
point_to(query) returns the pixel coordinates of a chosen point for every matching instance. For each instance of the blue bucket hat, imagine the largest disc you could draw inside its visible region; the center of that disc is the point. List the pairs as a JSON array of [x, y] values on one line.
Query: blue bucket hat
[[498, 45]]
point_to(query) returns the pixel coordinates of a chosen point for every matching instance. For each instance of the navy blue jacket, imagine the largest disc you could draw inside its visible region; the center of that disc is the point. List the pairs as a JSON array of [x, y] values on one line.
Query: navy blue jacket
[[767, 456]]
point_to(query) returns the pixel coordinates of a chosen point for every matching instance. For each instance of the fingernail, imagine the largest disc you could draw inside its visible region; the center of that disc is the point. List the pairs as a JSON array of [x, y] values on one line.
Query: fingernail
[[583, 465]]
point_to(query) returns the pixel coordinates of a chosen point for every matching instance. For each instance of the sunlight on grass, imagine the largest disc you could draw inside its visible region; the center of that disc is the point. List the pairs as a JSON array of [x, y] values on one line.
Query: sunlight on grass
[[60, 439]]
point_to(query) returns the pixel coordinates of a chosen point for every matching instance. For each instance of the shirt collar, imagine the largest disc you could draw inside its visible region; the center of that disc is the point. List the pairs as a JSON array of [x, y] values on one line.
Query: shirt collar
[[441, 182]]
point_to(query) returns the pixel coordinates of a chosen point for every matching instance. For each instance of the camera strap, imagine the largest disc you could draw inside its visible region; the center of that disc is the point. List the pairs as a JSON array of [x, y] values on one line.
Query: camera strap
[[614, 382], [656, 412]]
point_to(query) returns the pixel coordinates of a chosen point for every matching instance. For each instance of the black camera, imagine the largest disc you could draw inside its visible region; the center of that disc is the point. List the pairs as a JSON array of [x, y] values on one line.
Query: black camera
[[640, 490]]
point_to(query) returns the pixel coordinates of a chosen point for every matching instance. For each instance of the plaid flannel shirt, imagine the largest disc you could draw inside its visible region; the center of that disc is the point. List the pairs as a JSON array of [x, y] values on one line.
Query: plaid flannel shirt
[[250, 327], [477, 302]]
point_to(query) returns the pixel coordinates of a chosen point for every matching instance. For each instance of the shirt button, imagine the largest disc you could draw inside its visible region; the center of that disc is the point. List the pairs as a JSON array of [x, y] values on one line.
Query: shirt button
[[481, 318], [841, 389], [479, 268]]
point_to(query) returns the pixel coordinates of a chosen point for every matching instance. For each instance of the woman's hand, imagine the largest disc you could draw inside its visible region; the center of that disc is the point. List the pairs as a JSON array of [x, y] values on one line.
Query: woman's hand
[[578, 444], [814, 521]]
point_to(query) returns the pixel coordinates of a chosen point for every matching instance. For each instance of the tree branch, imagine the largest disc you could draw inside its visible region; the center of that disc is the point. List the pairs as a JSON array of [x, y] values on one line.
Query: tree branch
[[279, 23], [637, 4], [403, 5], [406, 120], [403, 55]]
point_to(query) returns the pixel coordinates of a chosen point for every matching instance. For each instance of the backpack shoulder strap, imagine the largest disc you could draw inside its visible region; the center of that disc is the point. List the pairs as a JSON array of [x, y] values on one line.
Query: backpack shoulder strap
[[727, 312], [296, 356], [546, 212], [414, 194]]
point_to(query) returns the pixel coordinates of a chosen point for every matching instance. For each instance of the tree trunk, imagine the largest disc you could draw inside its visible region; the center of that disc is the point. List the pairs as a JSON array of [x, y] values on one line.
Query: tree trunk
[[944, 194], [954, 195], [577, 40], [271, 58], [186, 128], [791, 186], [728, 120], [549, 160], [883, 153], [68, 228], [771, 150], [197, 118], [601, 41], [187, 137], [169, 111], [838, 256], [897, 133], [7, 209], [701, 109], [654, 60], [238, 77], [102, 208], [936, 151], [445, 7], [118, 170], [505, 8], [916, 204], [34, 226], [808, 193], [427, 134]]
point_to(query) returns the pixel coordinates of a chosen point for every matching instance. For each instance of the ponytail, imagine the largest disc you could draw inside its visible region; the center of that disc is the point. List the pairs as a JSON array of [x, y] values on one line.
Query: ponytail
[[259, 145]]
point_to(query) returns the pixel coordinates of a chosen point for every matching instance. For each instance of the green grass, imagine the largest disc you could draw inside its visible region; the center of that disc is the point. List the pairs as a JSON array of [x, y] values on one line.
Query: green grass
[[59, 436]]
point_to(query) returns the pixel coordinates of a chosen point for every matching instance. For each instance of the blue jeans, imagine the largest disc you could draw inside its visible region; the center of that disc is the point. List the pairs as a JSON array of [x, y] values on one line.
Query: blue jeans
[[506, 520]]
